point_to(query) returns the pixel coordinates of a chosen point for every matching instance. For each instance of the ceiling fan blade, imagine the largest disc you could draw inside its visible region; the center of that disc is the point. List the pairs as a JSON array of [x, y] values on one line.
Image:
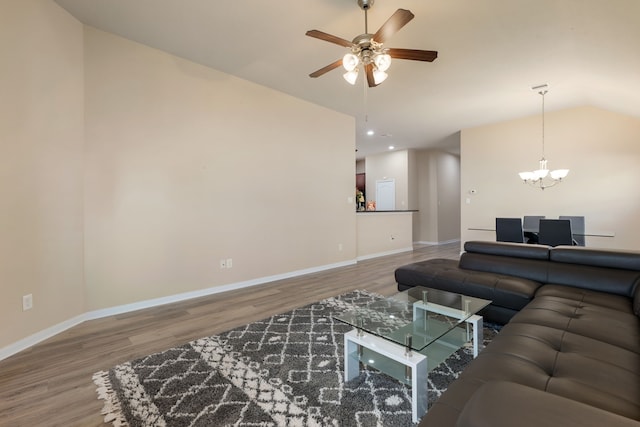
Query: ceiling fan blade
[[329, 38], [369, 71], [413, 54], [398, 20], [326, 69]]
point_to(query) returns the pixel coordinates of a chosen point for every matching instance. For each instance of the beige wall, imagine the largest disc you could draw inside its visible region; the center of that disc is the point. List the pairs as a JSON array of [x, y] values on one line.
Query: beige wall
[[186, 166], [127, 174], [383, 233], [438, 184], [393, 165], [427, 181], [602, 150], [448, 178], [412, 180], [41, 137]]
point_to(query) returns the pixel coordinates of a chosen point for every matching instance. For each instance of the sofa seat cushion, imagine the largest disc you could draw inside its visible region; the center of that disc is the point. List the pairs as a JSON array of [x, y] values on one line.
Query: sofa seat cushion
[[603, 317], [505, 404], [554, 361], [505, 291]]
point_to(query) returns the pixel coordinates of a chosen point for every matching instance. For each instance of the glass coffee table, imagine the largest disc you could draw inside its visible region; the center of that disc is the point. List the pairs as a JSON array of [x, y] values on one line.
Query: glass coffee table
[[409, 334]]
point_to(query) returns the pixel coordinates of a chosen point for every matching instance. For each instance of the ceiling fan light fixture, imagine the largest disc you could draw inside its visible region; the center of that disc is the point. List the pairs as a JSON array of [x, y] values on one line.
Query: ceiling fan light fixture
[[368, 49], [350, 61], [351, 76], [379, 76], [382, 61]]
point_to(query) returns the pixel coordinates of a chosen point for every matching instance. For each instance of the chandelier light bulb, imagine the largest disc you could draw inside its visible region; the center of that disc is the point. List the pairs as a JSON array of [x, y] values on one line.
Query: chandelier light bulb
[[540, 173], [350, 62], [382, 61], [558, 174], [526, 176]]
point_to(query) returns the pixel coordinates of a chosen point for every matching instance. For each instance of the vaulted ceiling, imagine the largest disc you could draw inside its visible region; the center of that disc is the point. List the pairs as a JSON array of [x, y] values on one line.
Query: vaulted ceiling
[[490, 54]]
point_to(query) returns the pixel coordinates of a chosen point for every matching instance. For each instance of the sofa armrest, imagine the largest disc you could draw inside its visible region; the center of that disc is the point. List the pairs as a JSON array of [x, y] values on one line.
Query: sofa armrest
[[506, 404]]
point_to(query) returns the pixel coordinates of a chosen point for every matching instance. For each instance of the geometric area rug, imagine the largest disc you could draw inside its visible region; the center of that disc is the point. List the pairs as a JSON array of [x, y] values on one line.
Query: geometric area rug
[[286, 370]]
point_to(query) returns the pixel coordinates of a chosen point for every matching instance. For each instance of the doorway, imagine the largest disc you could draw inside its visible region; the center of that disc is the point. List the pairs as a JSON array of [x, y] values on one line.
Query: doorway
[[386, 195]]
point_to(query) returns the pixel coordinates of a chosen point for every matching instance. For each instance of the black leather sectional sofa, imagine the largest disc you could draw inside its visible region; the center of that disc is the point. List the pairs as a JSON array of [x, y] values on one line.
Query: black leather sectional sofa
[[569, 354]]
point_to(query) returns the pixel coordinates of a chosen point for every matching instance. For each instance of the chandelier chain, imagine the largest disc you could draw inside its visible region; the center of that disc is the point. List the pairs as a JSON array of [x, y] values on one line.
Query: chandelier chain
[[543, 93]]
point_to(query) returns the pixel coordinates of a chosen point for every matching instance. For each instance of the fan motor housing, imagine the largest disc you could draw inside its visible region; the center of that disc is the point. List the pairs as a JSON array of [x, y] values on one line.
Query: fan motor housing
[[365, 4]]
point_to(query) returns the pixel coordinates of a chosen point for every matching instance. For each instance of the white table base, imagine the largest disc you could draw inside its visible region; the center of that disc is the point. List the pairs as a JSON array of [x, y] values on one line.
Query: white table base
[[416, 361], [476, 336]]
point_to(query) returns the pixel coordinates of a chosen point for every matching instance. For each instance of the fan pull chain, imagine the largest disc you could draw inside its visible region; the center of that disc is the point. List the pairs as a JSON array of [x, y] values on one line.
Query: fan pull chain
[[364, 100]]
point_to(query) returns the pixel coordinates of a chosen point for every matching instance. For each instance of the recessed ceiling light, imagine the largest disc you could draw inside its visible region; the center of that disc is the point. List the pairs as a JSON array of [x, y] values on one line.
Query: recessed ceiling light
[[370, 132], [391, 147]]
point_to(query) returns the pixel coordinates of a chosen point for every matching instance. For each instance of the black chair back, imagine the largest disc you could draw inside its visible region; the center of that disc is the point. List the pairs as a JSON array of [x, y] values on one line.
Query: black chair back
[[554, 232], [531, 226], [531, 223], [577, 228], [509, 230]]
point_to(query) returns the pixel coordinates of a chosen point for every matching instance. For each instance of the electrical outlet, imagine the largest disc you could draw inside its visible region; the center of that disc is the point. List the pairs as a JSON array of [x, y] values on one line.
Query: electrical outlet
[[340, 247], [229, 262], [27, 302], [223, 263]]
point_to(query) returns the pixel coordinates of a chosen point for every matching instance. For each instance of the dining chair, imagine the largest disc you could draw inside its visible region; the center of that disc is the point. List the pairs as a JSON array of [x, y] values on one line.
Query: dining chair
[[531, 226], [577, 228], [509, 230], [554, 232], [532, 222]]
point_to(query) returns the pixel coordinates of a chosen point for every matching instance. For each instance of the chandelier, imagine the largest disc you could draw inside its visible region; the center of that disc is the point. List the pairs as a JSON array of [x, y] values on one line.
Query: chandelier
[[540, 177]]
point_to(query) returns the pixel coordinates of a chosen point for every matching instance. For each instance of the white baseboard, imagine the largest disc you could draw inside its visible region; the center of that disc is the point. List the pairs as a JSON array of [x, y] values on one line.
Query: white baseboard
[[445, 242], [51, 331], [40, 336], [379, 254]]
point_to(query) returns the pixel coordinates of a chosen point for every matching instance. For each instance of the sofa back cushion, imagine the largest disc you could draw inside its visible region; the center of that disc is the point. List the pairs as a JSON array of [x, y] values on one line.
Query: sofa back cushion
[[611, 280], [530, 269], [616, 272], [512, 259], [515, 250], [613, 271], [625, 260]]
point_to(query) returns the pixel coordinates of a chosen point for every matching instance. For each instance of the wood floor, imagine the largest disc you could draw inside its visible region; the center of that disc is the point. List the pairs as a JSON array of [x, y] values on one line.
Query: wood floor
[[50, 384]]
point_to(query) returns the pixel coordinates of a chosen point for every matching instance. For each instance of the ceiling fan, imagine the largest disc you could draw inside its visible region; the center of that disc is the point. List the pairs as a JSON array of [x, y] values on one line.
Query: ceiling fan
[[368, 50]]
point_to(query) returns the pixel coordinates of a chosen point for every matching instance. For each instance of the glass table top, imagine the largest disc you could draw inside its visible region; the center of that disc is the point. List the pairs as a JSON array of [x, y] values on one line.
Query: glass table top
[[414, 318]]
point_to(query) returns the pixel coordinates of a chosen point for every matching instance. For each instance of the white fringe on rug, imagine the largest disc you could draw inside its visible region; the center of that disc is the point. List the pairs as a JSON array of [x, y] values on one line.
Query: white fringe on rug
[[111, 409]]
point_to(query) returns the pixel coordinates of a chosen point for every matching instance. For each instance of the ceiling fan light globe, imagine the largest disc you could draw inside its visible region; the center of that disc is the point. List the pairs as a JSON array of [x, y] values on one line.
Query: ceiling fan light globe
[[382, 61], [350, 61], [351, 76], [379, 76]]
